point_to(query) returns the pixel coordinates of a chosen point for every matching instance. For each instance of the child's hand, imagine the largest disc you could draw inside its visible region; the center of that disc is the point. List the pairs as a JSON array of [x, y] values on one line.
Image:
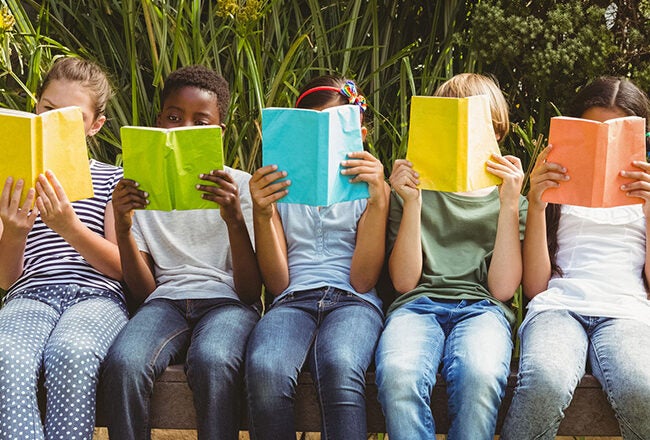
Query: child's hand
[[544, 175], [509, 169], [405, 180], [265, 191], [16, 220], [225, 193], [126, 198], [53, 204], [364, 167], [640, 187]]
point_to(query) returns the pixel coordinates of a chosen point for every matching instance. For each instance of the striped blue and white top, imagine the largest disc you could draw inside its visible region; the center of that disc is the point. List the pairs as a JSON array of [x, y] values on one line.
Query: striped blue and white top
[[50, 260]]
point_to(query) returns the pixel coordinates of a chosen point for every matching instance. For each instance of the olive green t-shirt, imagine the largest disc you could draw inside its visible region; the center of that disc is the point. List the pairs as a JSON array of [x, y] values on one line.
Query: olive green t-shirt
[[458, 234]]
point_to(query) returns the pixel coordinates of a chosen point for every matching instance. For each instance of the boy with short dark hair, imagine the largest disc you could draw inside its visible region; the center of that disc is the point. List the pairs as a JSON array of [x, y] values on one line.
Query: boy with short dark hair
[[197, 275]]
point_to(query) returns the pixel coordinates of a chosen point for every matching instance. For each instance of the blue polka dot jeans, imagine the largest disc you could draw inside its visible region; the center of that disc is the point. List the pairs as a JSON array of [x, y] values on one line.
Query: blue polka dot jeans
[[63, 331]]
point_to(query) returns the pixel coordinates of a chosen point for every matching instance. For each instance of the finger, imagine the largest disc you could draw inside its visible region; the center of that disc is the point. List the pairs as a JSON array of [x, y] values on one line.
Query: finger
[[361, 155], [261, 172], [29, 200], [44, 189], [636, 175], [637, 185], [229, 185], [56, 186], [272, 189], [645, 166], [223, 174], [543, 155], [6, 191], [14, 202], [268, 179], [40, 205]]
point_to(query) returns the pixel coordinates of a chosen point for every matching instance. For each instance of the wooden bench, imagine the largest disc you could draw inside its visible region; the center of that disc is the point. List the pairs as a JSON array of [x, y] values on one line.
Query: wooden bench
[[172, 408]]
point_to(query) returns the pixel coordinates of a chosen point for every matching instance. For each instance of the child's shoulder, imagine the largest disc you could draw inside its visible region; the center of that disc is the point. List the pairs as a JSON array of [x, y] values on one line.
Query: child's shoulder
[[104, 168]]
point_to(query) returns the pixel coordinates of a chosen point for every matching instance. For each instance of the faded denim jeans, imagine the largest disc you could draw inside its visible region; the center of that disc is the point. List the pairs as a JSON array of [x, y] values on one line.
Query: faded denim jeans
[[556, 345], [472, 340]]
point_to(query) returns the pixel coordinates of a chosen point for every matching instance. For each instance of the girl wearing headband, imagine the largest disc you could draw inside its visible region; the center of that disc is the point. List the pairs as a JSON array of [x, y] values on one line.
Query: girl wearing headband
[[326, 316]]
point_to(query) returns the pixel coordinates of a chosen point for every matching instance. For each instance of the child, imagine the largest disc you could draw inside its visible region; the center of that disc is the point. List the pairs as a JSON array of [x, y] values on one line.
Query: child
[[584, 269], [321, 264], [456, 262], [64, 305], [197, 275]]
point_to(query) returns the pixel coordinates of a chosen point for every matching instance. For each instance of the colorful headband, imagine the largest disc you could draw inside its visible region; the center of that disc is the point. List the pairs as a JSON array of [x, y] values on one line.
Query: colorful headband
[[349, 90]]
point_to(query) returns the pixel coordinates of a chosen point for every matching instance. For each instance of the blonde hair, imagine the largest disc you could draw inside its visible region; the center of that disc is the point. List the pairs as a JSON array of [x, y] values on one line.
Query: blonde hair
[[89, 74], [471, 84]]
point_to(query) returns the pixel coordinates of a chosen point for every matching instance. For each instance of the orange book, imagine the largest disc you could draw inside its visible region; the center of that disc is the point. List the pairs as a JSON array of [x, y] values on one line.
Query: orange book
[[594, 153]]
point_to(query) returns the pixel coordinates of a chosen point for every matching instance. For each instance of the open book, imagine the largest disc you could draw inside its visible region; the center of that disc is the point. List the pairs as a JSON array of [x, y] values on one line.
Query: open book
[[594, 153], [310, 145], [450, 139], [54, 140], [167, 163]]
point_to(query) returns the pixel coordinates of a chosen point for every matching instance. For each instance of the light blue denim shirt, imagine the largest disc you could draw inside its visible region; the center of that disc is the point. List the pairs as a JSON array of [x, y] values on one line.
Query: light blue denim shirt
[[320, 245]]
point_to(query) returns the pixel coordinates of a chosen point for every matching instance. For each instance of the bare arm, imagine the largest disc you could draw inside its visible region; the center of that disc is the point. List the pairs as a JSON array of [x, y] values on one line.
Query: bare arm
[[537, 262], [370, 247], [15, 223], [405, 261], [57, 213], [246, 274], [505, 272], [640, 187], [270, 242], [137, 266]]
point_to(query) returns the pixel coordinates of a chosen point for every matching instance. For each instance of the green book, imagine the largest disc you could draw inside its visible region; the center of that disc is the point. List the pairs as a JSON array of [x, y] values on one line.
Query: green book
[[167, 162]]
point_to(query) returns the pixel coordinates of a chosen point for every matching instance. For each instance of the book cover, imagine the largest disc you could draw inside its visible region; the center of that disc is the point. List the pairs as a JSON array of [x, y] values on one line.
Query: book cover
[[310, 145], [54, 140], [450, 139], [167, 162], [594, 153]]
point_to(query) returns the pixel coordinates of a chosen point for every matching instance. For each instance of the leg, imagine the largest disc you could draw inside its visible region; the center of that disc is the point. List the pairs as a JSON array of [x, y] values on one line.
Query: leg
[[25, 325], [553, 358], [408, 356], [342, 351], [215, 361], [277, 349], [156, 336], [476, 365], [72, 358], [620, 361]]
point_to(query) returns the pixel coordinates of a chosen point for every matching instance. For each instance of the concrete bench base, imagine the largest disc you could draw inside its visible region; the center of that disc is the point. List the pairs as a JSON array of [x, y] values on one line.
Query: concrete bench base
[[172, 408]]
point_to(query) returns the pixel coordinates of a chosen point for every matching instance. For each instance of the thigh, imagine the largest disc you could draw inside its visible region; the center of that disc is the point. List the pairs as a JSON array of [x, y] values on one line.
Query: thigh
[[279, 343], [157, 335], [479, 343], [89, 326], [222, 332], [412, 341], [348, 334], [553, 349]]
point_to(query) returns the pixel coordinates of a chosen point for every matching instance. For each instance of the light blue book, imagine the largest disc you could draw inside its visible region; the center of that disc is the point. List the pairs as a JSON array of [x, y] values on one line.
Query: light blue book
[[310, 145]]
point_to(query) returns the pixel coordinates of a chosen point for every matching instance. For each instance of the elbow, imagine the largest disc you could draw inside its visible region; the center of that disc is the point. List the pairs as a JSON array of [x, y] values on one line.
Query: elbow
[[363, 285]]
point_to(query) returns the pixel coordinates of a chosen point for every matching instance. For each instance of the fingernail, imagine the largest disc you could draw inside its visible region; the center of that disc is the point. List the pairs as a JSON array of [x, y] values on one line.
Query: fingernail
[[146, 194]]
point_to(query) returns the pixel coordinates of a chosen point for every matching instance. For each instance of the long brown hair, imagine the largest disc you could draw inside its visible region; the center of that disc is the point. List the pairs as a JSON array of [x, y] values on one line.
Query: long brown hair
[[607, 92]]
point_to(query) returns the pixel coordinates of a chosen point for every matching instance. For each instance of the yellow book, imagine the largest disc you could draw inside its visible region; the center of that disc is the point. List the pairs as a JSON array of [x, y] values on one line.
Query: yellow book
[[54, 140], [450, 139]]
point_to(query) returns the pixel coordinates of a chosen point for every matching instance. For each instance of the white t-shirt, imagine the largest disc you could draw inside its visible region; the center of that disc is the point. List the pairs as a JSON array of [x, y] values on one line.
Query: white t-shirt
[[602, 254], [190, 249]]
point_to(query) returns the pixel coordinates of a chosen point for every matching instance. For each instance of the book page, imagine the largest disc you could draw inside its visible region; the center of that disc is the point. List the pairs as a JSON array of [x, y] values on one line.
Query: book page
[[593, 156], [481, 144]]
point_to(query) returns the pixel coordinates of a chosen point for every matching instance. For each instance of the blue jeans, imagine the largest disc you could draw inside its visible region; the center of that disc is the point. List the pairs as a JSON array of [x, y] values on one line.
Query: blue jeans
[[555, 347], [472, 340], [331, 331], [64, 331], [209, 335]]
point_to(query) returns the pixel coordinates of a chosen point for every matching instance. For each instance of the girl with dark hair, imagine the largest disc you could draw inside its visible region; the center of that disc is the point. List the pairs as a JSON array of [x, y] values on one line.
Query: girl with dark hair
[[321, 264], [584, 269]]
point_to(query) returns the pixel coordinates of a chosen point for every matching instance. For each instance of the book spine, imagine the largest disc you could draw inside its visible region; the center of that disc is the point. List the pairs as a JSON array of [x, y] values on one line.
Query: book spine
[[601, 162], [38, 149], [462, 145]]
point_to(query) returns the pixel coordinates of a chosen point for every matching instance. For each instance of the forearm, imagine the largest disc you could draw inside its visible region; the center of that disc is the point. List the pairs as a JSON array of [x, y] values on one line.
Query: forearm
[[138, 276], [270, 247], [505, 272], [646, 268], [370, 247], [12, 251], [99, 252], [536, 260], [246, 274], [405, 261]]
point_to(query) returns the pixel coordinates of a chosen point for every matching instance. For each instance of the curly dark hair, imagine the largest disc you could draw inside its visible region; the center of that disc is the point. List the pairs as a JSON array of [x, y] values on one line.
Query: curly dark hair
[[202, 78]]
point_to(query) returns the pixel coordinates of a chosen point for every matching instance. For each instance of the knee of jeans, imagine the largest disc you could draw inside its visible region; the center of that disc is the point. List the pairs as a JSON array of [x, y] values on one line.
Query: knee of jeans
[[399, 381], [212, 360], [123, 364], [630, 400]]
